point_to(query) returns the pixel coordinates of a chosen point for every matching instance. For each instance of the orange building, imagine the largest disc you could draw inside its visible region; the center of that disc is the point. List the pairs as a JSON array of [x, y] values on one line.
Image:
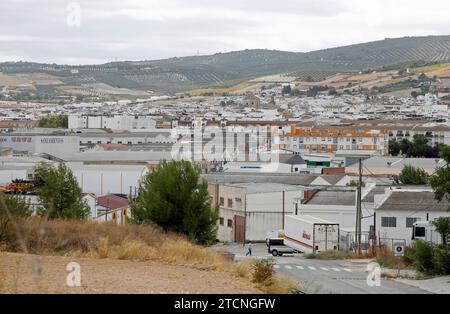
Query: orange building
[[333, 139]]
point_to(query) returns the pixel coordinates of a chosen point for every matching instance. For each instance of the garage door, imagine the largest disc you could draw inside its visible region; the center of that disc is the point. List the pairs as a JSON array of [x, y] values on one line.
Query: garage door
[[239, 229]]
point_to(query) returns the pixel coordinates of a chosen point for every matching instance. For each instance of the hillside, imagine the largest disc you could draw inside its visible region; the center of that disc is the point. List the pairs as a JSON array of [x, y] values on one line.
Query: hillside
[[119, 259], [112, 276], [180, 74]]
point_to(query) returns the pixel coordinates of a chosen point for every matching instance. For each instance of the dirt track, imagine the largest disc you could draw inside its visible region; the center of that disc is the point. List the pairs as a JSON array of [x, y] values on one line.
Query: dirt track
[[21, 273]]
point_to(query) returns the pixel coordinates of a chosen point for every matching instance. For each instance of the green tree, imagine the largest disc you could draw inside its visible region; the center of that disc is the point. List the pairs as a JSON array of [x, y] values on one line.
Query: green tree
[[419, 146], [355, 183], [59, 192], [442, 225], [405, 146], [172, 197], [394, 147], [11, 207], [54, 122], [440, 181], [411, 175]]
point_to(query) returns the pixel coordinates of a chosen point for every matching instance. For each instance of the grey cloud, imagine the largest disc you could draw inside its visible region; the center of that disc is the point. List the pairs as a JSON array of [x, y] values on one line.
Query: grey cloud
[[146, 29]]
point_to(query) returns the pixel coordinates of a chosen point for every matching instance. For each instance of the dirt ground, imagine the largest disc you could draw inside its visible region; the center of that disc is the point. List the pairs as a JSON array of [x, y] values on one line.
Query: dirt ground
[[20, 273]]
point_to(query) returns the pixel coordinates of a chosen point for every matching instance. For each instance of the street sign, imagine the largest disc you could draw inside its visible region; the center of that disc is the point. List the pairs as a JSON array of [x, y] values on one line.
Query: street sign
[[399, 249]]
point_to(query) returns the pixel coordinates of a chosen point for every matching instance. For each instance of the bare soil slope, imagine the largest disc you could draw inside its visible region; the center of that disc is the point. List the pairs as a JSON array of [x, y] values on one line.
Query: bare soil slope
[[20, 273]]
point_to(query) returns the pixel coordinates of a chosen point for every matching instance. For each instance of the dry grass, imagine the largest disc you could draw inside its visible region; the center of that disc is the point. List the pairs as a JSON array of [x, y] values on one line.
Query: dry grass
[[276, 285], [130, 242]]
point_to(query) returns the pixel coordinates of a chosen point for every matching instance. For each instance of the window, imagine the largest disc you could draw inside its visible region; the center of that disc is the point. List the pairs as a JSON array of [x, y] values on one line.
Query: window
[[230, 223], [419, 232], [238, 200], [389, 222], [221, 221], [230, 203], [222, 201], [411, 221]]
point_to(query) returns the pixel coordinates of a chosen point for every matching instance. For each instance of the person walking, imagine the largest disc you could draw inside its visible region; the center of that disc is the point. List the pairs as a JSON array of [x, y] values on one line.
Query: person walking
[[249, 249]]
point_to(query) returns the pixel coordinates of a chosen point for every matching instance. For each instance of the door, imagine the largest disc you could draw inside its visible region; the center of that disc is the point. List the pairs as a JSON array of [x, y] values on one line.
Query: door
[[326, 238], [239, 229]]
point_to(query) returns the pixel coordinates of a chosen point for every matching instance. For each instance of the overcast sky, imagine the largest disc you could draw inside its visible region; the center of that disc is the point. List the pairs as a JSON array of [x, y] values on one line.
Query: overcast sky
[[108, 30]]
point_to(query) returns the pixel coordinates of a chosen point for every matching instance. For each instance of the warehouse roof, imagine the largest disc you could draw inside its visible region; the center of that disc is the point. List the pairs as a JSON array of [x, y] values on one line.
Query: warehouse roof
[[339, 197], [414, 201], [237, 177], [293, 160], [399, 162], [254, 188], [112, 201], [108, 156], [370, 196]]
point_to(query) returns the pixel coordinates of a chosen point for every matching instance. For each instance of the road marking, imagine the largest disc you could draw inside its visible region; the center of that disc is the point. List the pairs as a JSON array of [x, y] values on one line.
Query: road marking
[[276, 266], [335, 269], [300, 267], [312, 267], [324, 268], [288, 267], [348, 270]]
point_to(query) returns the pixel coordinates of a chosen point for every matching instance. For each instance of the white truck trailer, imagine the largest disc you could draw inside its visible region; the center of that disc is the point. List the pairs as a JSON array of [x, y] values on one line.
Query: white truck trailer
[[308, 234]]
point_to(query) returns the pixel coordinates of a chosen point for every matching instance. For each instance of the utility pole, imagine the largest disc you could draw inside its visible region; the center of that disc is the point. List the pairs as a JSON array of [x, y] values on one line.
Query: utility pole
[[358, 209]]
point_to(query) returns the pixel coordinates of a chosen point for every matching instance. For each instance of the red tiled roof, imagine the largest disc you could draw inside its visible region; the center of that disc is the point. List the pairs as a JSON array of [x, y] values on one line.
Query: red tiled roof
[[112, 201]]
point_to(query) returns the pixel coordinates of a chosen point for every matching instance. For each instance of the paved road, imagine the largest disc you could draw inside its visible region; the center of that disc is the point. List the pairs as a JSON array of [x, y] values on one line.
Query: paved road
[[328, 276], [344, 277]]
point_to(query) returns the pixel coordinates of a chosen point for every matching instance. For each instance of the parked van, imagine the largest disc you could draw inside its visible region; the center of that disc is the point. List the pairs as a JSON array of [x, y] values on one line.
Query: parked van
[[276, 247]]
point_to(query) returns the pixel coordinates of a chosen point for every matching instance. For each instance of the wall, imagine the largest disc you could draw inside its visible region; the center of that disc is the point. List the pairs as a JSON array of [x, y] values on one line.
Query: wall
[[401, 231], [225, 233], [41, 144], [108, 180], [264, 212]]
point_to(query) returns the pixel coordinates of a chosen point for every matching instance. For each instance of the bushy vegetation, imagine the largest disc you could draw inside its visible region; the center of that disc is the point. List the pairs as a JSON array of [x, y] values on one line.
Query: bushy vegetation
[[417, 148], [429, 258], [263, 272], [59, 192], [12, 207], [171, 197], [54, 122], [411, 175], [440, 181]]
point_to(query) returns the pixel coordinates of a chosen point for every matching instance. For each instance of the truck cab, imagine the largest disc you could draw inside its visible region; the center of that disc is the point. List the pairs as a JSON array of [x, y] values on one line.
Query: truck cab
[[425, 230]]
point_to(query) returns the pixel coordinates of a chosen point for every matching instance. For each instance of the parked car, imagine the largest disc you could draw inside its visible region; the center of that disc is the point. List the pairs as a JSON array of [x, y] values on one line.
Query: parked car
[[276, 247]]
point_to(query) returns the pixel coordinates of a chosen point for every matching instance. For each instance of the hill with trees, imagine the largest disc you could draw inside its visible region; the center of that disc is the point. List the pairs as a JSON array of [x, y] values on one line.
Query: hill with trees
[[186, 73]]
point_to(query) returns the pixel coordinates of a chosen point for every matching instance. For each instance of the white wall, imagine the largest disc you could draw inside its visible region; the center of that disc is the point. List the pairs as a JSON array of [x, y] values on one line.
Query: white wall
[[110, 180], [7, 176], [401, 231], [264, 212], [345, 216]]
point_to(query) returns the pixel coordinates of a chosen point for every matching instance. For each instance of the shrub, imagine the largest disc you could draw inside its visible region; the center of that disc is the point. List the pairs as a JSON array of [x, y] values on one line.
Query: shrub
[[263, 272], [409, 255], [385, 257], [441, 260], [423, 257]]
